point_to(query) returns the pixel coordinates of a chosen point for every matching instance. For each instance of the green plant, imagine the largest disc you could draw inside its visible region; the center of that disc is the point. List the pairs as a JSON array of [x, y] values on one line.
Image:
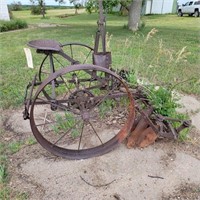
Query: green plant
[[129, 51], [125, 26], [67, 122], [183, 135], [12, 25], [3, 157], [162, 100], [31, 141], [35, 10], [106, 106], [22, 196], [15, 146], [4, 192], [15, 6], [141, 25], [2, 146], [3, 174], [75, 132], [132, 78], [165, 103], [38, 9]]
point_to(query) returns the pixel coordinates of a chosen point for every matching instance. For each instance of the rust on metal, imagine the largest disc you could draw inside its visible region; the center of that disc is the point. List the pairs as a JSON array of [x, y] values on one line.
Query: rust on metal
[[85, 115], [101, 58], [82, 98], [149, 125]]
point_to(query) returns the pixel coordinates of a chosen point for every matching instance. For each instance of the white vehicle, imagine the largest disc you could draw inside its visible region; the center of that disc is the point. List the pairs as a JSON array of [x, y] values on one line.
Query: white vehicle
[[190, 8]]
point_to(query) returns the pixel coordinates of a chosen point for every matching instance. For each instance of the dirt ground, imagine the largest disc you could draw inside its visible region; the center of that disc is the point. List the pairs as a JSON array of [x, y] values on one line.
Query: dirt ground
[[164, 170]]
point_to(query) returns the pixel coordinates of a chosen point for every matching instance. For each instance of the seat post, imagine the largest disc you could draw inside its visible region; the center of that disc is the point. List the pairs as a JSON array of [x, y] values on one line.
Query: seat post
[[52, 70]]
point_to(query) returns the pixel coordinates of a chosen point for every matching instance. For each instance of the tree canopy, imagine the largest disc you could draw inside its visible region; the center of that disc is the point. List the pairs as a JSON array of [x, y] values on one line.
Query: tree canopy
[[133, 8]]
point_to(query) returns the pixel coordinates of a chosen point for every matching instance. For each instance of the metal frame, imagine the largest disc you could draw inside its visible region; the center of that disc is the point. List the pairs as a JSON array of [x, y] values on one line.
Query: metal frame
[[101, 61]]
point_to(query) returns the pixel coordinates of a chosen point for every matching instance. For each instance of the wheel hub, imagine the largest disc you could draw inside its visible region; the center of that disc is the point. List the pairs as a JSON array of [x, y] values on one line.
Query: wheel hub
[[85, 116], [81, 99]]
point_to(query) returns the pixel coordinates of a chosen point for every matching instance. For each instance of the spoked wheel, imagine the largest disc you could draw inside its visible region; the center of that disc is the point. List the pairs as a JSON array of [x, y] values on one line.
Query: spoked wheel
[[81, 53], [88, 115]]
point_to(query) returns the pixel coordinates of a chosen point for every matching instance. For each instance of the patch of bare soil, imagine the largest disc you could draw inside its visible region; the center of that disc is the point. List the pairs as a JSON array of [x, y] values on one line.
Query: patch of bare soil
[[151, 173], [164, 170], [47, 25], [185, 192]]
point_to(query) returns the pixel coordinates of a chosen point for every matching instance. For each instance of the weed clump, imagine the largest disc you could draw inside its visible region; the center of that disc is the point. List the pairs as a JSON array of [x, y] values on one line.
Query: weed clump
[[12, 25]]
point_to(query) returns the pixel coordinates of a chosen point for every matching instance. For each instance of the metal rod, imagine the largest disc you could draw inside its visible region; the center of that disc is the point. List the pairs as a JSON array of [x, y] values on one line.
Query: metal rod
[[101, 30], [52, 69]]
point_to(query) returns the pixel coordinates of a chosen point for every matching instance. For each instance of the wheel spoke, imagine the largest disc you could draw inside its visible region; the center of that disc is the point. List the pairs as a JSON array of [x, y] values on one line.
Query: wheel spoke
[[87, 57], [101, 100], [95, 132], [53, 121], [79, 144], [71, 51], [64, 134], [70, 125], [65, 108], [66, 87], [58, 61]]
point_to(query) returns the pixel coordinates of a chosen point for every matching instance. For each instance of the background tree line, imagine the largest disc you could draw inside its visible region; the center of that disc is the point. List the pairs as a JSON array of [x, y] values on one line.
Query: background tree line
[[131, 7]]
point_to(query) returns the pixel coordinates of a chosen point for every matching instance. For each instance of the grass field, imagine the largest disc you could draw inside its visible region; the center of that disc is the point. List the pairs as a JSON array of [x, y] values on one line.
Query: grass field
[[165, 51]]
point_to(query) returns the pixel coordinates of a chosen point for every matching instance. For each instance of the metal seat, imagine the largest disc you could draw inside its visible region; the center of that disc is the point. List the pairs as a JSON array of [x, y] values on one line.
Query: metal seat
[[46, 45]]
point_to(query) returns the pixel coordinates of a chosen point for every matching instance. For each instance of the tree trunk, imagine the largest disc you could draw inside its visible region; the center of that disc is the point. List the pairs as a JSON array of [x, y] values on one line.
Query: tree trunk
[[42, 7], [134, 15]]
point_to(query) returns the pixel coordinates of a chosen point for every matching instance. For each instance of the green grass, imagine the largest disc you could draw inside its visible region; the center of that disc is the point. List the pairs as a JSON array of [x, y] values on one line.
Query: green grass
[[4, 190], [155, 59], [52, 16], [64, 124], [12, 25], [169, 58], [7, 193], [3, 174], [106, 107], [30, 141], [15, 146]]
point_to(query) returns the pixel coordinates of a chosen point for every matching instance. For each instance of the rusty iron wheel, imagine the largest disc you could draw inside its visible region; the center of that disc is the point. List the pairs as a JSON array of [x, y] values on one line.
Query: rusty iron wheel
[[81, 53], [78, 51], [89, 114]]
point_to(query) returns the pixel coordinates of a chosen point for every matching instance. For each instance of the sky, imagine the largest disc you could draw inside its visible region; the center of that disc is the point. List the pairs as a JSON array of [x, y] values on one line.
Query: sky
[[52, 2], [48, 2]]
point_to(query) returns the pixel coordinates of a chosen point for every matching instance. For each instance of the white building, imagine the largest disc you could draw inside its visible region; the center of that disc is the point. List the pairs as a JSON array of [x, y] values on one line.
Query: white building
[[160, 6], [4, 15]]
